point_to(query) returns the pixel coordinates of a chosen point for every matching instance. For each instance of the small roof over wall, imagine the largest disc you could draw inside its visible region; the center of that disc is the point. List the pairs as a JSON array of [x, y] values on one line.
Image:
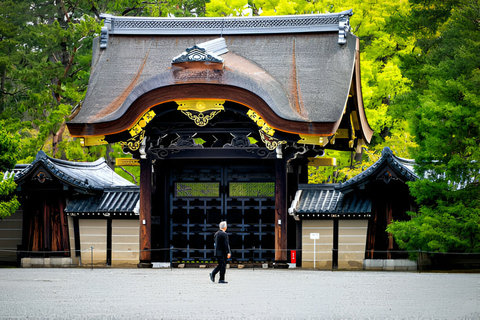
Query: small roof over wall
[[324, 201], [349, 199], [389, 167], [296, 72], [113, 202], [93, 188], [85, 177]]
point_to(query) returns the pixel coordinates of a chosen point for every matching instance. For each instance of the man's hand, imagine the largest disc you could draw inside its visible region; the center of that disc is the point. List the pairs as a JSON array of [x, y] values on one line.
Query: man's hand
[[228, 256]]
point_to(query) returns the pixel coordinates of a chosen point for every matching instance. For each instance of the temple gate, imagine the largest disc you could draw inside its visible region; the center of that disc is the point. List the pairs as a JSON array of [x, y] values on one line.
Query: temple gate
[[223, 115]]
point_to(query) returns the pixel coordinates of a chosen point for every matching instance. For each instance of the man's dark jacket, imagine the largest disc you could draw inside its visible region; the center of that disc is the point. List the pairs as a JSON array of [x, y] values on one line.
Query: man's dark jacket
[[222, 247]]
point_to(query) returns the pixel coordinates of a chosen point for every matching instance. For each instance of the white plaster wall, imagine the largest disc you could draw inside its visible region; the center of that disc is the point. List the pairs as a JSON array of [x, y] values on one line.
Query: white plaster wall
[[10, 236], [93, 233], [125, 242], [323, 246], [352, 240]]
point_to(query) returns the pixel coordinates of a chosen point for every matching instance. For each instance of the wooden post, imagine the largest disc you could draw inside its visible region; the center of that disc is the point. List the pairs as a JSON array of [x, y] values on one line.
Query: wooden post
[[335, 244], [389, 221], [64, 228], [46, 227], [145, 213], [280, 210]]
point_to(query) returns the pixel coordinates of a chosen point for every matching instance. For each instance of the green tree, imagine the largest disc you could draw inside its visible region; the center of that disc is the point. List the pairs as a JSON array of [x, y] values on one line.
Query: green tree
[[45, 57], [164, 8], [444, 105], [46, 70], [8, 158], [382, 45]]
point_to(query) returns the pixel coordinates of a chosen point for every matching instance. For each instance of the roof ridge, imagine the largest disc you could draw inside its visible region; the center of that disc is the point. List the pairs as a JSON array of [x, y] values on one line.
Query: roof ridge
[[387, 156], [322, 22]]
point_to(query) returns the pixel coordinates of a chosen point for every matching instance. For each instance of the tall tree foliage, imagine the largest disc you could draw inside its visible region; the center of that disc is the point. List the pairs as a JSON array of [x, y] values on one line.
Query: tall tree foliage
[[8, 158], [45, 56], [445, 106], [382, 47], [46, 70]]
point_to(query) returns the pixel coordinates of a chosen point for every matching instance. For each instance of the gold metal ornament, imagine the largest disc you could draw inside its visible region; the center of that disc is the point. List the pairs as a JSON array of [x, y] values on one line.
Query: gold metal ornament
[[200, 111], [270, 142], [141, 123], [315, 140], [133, 144], [92, 141], [261, 123]]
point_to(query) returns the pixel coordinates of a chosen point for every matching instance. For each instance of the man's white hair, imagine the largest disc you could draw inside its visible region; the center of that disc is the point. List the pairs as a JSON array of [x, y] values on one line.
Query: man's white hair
[[222, 225]]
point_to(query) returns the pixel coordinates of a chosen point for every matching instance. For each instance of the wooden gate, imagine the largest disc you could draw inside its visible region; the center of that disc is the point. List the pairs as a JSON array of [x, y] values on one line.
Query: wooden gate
[[201, 197]]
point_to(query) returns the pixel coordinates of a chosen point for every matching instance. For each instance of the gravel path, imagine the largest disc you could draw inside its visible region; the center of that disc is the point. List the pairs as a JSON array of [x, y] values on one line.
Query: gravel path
[[250, 294]]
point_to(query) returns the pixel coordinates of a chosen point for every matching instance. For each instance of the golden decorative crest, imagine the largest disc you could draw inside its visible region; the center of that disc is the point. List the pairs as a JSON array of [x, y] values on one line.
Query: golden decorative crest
[[141, 123], [133, 144], [201, 112], [261, 123], [270, 142]]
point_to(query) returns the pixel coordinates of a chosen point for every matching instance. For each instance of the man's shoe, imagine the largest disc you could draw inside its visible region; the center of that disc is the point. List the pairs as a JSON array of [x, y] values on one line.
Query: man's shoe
[[222, 281], [212, 277]]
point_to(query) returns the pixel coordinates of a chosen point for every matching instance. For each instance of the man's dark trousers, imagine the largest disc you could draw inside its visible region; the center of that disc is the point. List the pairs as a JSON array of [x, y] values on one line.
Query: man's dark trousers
[[221, 267]]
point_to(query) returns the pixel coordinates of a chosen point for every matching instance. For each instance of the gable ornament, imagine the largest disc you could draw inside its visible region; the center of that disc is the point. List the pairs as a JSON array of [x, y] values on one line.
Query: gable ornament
[[200, 111], [197, 54]]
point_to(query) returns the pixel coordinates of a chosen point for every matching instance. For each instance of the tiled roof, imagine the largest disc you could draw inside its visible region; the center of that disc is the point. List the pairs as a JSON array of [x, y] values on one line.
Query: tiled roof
[[84, 176], [324, 201], [318, 199], [354, 203], [346, 199], [402, 167], [112, 202]]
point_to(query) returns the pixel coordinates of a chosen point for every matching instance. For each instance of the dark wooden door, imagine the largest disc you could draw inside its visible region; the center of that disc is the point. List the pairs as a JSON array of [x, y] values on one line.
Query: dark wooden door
[[203, 195], [46, 225]]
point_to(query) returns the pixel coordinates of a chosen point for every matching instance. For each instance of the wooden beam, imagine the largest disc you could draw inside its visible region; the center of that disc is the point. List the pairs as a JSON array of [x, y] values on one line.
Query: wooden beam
[[145, 212], [322, 162], [121, 162], [200, 91]]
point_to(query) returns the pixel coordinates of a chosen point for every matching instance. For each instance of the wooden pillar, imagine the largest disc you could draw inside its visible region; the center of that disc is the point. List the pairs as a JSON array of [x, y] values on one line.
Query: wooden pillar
[[335, 244], [46, 227], [145, 213], [64, 228], [280, 210], [389, 221]]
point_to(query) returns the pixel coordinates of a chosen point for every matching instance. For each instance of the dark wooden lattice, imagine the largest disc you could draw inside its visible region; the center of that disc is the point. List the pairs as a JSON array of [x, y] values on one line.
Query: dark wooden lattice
[[202, 197]]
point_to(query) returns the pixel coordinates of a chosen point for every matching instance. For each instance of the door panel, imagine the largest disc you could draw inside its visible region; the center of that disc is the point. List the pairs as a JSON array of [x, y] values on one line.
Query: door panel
[[201, 197]]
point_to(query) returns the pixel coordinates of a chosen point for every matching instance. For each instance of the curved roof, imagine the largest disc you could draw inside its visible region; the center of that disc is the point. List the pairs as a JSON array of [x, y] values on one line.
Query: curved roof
[[301, 67], [112, 201], [324, 200], [400, 167], [85, 176], [316, 201]]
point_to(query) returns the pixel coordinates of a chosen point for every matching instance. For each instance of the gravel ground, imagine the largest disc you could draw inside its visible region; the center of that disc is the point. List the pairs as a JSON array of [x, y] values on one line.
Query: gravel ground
[[250, 294]]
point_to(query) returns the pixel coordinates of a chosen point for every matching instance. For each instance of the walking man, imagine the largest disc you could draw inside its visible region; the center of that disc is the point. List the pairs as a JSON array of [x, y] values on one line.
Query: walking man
[[222, 252]]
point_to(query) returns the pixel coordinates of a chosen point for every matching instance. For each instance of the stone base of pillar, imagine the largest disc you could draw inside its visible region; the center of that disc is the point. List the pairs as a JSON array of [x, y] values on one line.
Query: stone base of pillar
[[280, 265], [145, 265]]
